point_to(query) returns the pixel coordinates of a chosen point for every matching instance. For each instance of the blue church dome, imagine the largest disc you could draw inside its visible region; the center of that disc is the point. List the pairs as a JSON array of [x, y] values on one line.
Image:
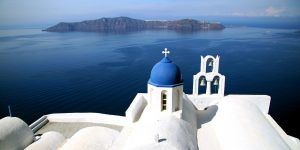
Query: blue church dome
[[165, 74]]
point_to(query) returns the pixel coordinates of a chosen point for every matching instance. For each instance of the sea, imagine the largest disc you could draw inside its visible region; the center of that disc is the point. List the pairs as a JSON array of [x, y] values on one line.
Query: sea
[[45, 72]]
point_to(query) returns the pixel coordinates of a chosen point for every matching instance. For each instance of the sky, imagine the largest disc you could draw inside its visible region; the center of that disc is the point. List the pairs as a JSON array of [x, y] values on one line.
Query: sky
[[50, 11]]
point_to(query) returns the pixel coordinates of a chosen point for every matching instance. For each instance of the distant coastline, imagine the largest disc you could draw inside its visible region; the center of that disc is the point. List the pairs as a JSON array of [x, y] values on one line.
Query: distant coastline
[[123, 24]]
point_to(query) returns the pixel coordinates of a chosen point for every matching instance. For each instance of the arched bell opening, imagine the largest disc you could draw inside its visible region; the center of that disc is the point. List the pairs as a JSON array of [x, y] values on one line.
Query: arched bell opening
[[202, 85], [215, 85], [209, 65]]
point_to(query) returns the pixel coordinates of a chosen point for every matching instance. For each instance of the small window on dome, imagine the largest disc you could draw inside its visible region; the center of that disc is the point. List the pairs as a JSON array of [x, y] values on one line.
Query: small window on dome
[[163, 101]]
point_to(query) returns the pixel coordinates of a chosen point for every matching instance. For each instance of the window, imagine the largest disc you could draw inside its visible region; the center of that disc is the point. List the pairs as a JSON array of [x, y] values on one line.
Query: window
[[163, 101], [177, 101]]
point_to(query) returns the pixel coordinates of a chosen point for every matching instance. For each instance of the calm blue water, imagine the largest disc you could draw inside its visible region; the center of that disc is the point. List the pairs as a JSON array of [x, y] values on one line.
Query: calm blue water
[[42, 73]]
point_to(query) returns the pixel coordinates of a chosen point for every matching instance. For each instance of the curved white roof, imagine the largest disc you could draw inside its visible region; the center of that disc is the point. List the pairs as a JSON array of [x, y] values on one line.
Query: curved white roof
[[91, 138], [14, 134], [239, 124], [168, 132]]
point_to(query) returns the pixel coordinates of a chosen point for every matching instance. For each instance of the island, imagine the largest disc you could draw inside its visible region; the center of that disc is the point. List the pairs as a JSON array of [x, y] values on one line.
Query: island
[[120, 24]]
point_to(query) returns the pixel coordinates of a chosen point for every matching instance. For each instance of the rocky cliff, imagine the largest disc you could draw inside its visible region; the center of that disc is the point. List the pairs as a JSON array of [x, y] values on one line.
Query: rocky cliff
[[129, 24]]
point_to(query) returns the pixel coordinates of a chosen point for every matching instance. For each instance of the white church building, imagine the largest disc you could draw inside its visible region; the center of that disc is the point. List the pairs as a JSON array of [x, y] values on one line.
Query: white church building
[[163, 118]]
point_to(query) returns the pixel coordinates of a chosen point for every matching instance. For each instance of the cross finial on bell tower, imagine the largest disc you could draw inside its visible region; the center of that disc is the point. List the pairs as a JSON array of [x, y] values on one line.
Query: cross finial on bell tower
[[166, 52]]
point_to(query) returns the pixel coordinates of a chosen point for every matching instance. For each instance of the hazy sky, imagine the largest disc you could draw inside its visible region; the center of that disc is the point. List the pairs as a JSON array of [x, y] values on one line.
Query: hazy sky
[[48, 11]]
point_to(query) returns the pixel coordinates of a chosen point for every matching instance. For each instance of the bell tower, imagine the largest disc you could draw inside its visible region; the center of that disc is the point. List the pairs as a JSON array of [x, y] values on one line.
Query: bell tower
[[165, 86], [209, 77]]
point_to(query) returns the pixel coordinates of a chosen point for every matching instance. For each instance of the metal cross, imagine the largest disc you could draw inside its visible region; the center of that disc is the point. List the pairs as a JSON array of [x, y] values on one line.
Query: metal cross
[[166, 52]]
